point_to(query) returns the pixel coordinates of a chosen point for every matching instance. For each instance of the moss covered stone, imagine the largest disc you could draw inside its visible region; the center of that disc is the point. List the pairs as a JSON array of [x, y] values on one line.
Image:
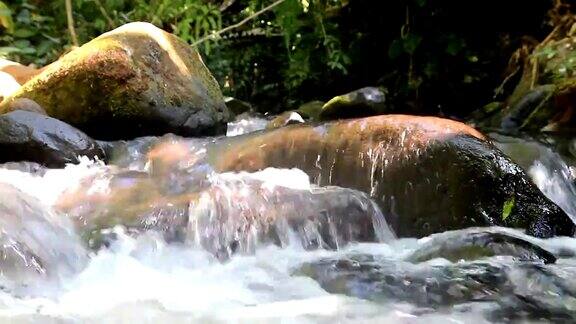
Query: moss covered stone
[[310, 110], [363, 102], [135, 80], [545, 97]]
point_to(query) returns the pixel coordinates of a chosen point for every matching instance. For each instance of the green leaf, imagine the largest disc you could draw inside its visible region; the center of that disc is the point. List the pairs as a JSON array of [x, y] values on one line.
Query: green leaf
[[6, 17], [24, 33], [421, 3], [396, 49], [22, 43], [454, 46], [507, 208], [7, 50], [411, 43]]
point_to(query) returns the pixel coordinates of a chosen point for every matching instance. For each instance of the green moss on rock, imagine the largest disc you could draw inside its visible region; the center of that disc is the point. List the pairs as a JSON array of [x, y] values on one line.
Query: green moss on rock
[[135, 80]]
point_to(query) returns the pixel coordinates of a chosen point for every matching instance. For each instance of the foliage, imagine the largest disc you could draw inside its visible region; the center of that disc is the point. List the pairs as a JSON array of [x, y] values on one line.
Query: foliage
[[6, 17], [28, 35], [427, 52], [507, 208]]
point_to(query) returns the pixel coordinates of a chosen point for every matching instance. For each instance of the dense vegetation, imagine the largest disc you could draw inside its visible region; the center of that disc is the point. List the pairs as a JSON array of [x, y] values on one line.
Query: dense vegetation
[[435, 57]]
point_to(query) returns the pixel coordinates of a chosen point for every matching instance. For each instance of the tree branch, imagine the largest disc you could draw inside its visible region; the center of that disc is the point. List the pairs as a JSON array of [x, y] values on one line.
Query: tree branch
[[242, 22], [71, 22], [105, 13]]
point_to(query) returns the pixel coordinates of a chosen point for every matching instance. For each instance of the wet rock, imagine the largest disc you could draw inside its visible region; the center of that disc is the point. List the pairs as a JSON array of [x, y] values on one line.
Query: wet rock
[[25, 104], [26, 136], [37, 247], [286, 118], [427, 174], [374, 278], [225, 214], [237, 106], [364, 102], [135, 80], [505, 290], [328, 218], [311, 110], [477, 243]]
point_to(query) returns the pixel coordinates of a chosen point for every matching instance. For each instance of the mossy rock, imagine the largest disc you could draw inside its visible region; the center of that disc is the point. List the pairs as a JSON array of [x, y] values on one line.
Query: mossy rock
[[363, 102], [311, 110], [135, 80], [545, 97]]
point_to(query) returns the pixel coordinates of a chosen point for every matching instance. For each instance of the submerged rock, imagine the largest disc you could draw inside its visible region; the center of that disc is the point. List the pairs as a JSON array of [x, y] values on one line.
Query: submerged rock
[[36, 246], [27, 136], [286, 118], [364, 102], [225, 214], [135, 80], [428, 174], [504, 290], [477, 243]]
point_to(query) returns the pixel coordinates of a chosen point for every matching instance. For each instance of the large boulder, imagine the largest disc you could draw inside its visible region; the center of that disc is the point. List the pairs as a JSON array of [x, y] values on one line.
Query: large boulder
[[428, 174], [27, 136], [135, 80]]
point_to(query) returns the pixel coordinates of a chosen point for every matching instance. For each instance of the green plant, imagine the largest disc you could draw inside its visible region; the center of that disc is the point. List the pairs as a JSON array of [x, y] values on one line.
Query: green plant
[[6, 18], [189, 19], [30, 35]]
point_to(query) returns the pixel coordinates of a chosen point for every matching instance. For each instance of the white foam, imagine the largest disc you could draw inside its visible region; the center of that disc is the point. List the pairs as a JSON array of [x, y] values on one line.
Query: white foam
[[48, 187], [272, 177], [245, 126]]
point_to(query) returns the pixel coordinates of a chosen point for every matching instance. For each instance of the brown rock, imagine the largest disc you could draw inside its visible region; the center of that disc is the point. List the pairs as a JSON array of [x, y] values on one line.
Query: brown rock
[[19, 72], [427, 174], [133, 81], [24, 104]]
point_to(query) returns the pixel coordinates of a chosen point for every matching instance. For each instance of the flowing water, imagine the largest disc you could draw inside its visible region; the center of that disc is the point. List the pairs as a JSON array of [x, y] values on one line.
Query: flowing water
[[157, 236]]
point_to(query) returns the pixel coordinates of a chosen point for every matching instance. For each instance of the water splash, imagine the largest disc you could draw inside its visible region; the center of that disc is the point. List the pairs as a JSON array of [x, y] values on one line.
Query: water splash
[[549, 171], [244, 124], [140, 276]]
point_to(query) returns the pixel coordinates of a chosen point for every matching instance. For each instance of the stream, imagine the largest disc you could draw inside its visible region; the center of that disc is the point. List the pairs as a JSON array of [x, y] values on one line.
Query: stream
[[191, 259]]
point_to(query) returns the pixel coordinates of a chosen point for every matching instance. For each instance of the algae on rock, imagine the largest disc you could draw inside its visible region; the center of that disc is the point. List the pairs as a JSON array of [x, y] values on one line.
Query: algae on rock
[[135, 80]]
